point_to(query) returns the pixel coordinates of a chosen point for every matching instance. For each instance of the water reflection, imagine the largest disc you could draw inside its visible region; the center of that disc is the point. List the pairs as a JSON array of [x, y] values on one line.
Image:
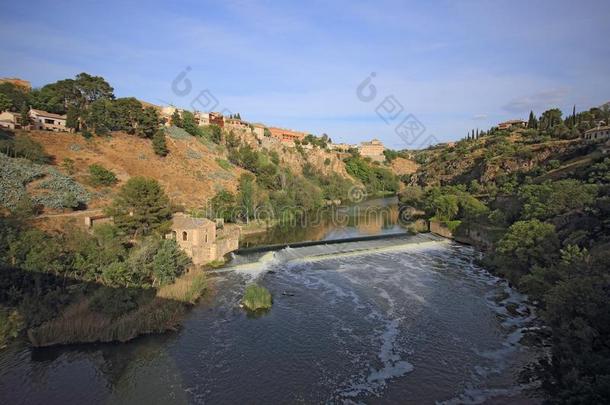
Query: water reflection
[[372, 217]]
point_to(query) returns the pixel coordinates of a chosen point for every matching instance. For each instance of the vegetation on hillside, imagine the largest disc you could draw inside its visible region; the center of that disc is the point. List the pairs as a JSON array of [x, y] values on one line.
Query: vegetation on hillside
[[546, 228], [76, 286]]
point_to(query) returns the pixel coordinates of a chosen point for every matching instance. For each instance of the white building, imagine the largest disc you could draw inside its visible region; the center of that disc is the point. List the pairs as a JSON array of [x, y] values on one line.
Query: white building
[[42, 120], [598, 134]]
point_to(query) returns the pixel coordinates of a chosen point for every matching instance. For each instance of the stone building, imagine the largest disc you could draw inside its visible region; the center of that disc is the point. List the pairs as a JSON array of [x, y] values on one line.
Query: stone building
[[512, 123], [39, 120], [200, 239], [10, 120], [202, 118], [287, 136], [24, 84], [217, 118], [258, 130], [373, 149]]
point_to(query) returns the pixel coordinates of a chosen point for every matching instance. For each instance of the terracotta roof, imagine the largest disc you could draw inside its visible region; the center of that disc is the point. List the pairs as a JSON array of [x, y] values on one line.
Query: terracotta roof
[[48, 114], [183, 221]]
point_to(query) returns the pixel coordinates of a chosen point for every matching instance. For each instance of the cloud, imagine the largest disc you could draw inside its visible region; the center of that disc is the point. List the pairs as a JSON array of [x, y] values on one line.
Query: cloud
[[478, 117], [538, 101]]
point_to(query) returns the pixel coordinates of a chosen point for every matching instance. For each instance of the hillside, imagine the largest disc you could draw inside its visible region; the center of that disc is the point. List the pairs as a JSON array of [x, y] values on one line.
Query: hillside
[[190, 173]]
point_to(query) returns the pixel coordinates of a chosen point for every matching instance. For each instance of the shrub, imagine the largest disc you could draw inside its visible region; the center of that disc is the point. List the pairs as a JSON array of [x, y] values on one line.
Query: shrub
[[224, 164], [68, 166], [256, 297], [100, 176], [158, 143], [114, 302], [24, 147], [11, 324], [169, 262]]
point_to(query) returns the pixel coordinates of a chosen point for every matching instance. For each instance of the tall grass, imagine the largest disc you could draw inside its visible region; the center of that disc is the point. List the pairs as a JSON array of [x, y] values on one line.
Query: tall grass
[[257, 297], [11, 323], [187, 288], [83, 322]]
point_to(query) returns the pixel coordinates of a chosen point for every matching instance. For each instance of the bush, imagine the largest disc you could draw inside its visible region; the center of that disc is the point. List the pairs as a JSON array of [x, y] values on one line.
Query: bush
[[24, 147], [158, 143], [68, 166], [100, 176], [256, 297], [114, 302], [224, 164], [11, 324]]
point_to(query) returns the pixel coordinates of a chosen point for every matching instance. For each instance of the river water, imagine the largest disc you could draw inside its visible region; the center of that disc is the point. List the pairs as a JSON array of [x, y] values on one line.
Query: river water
[[410, 320]]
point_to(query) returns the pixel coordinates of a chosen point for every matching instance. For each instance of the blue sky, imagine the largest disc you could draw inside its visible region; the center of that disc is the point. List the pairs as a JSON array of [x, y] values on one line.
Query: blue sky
[[455, 65]]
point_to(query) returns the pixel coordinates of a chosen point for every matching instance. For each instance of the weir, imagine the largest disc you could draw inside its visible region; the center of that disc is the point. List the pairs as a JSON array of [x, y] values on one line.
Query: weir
[[324, 250], [280, 246]]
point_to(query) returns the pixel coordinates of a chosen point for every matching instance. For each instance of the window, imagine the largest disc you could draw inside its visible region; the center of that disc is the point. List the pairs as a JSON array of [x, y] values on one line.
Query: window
[[48, 121], [184, 236], [206, 238]]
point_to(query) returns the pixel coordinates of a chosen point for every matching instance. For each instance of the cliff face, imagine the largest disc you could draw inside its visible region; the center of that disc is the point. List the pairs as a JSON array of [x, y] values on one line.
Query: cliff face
[[322, 161], [484, 160]]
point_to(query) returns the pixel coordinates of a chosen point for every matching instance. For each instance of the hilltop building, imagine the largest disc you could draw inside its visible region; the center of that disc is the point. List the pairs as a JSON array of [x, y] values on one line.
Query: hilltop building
[[258, 130], [598, 134], [236, 123], [341, 147], [217, 118], [10, 120], [42, 120], [202, 118], [23, 84], [512, 123], [287, 136], [39, 120], [373, 149]]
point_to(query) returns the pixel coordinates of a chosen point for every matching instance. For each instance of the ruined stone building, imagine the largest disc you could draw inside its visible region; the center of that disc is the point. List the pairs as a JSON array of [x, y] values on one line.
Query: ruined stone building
[[201, 240]]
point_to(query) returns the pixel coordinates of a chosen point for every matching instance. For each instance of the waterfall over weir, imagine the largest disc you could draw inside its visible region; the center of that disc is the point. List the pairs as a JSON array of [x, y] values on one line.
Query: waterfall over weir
[[258, 259]]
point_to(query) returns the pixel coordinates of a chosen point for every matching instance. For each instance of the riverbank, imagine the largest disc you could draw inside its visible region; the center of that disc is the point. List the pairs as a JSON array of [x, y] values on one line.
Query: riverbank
[[120, 315], [367, 321]]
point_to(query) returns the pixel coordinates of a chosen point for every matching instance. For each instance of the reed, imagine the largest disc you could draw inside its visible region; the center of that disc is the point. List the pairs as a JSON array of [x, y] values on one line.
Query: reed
[[257, 297], [81, 323], [187, 288]]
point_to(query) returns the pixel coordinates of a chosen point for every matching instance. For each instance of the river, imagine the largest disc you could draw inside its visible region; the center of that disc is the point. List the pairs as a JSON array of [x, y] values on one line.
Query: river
[[411, 320], [376, 216]]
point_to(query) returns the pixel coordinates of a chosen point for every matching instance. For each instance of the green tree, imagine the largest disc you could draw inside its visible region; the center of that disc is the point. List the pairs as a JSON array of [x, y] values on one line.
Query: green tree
[[148, 122], [15, 94], [190, 124], [543, 201], [158, 143], [445, 207], [528, 243], [223, 205], [141, 207], [24, 116], [176, 119], [550, 118], [169, 262], [247, 197], [5, 103], [532, 122]]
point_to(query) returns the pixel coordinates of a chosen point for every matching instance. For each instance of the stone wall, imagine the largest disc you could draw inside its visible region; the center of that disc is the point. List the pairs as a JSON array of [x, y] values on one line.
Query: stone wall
[[439, 229]]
